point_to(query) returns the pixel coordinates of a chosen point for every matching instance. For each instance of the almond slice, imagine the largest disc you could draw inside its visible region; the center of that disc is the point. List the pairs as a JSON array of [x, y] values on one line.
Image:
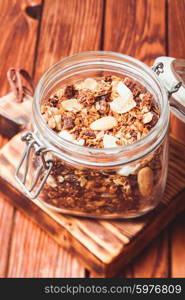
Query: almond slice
[[58, 121], [69, 137], [127, 170], [124, 102], [66, 135], [145, 181], [80, 142], [104, 123], [141, 96], [109, 141], [71, 105], [100, 135], [124, 91], [121, 105], [114, 84], [60, 179], [147, 118], [51, 181], [90, 84]]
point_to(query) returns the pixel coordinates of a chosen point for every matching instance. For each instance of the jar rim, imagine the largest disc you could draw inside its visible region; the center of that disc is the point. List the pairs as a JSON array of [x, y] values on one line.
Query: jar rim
[[54, 139]]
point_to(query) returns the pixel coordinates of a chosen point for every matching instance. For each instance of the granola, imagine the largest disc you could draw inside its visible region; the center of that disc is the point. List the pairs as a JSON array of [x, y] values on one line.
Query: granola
[[107, 192], [104, 112], [116, 107]]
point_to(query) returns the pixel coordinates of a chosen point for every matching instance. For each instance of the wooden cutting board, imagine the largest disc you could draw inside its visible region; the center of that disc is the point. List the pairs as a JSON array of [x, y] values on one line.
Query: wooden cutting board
[[103, 247]]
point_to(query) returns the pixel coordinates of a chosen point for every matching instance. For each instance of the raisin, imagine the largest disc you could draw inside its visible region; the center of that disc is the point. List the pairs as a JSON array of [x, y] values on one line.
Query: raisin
[[71, 178], [70, 92], [54, 101], [90, 134], [133, 134], [108, 79], [102, 97], [68, 123]]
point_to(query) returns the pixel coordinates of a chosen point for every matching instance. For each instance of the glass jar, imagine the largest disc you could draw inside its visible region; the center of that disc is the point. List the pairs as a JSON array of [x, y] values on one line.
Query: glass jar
[[121, 182]]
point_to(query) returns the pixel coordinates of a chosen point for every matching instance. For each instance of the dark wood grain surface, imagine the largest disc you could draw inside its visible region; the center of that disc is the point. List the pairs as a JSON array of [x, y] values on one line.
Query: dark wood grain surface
[[176, 48], [68, 27], [17, 49], [142, 34], [53, 30]]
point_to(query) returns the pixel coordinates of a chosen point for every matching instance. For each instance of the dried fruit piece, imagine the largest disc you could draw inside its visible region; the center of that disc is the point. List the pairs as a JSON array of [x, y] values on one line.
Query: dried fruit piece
[[104, 123], [145, 181], [70, 92], [104, 97], [90, 134], [102, 106], [108, 78], [109, 141], [147, 118], [68, 123], [71, 105], [54, 101]]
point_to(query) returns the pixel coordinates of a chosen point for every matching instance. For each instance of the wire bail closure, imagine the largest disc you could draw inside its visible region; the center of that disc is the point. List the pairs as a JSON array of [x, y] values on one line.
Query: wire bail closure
[[158, 68], [44, 168], [171, 78]]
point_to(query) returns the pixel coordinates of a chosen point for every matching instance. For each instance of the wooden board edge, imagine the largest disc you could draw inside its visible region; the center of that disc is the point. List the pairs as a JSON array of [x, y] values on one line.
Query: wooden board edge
[[175, 207], [67, 241]]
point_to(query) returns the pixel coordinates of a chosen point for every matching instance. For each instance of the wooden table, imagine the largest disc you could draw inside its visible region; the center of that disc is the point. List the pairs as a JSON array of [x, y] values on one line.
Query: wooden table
[[36, 34]]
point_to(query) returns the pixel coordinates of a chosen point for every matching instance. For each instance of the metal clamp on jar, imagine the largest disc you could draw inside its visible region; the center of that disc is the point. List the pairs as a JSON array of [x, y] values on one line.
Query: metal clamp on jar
[[131, 179], [171, 72]]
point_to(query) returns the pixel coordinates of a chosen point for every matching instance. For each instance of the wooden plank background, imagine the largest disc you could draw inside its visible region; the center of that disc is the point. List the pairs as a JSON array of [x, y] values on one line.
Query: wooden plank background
[[176, 48], [141, 34], [141, 28], [17, 48]]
